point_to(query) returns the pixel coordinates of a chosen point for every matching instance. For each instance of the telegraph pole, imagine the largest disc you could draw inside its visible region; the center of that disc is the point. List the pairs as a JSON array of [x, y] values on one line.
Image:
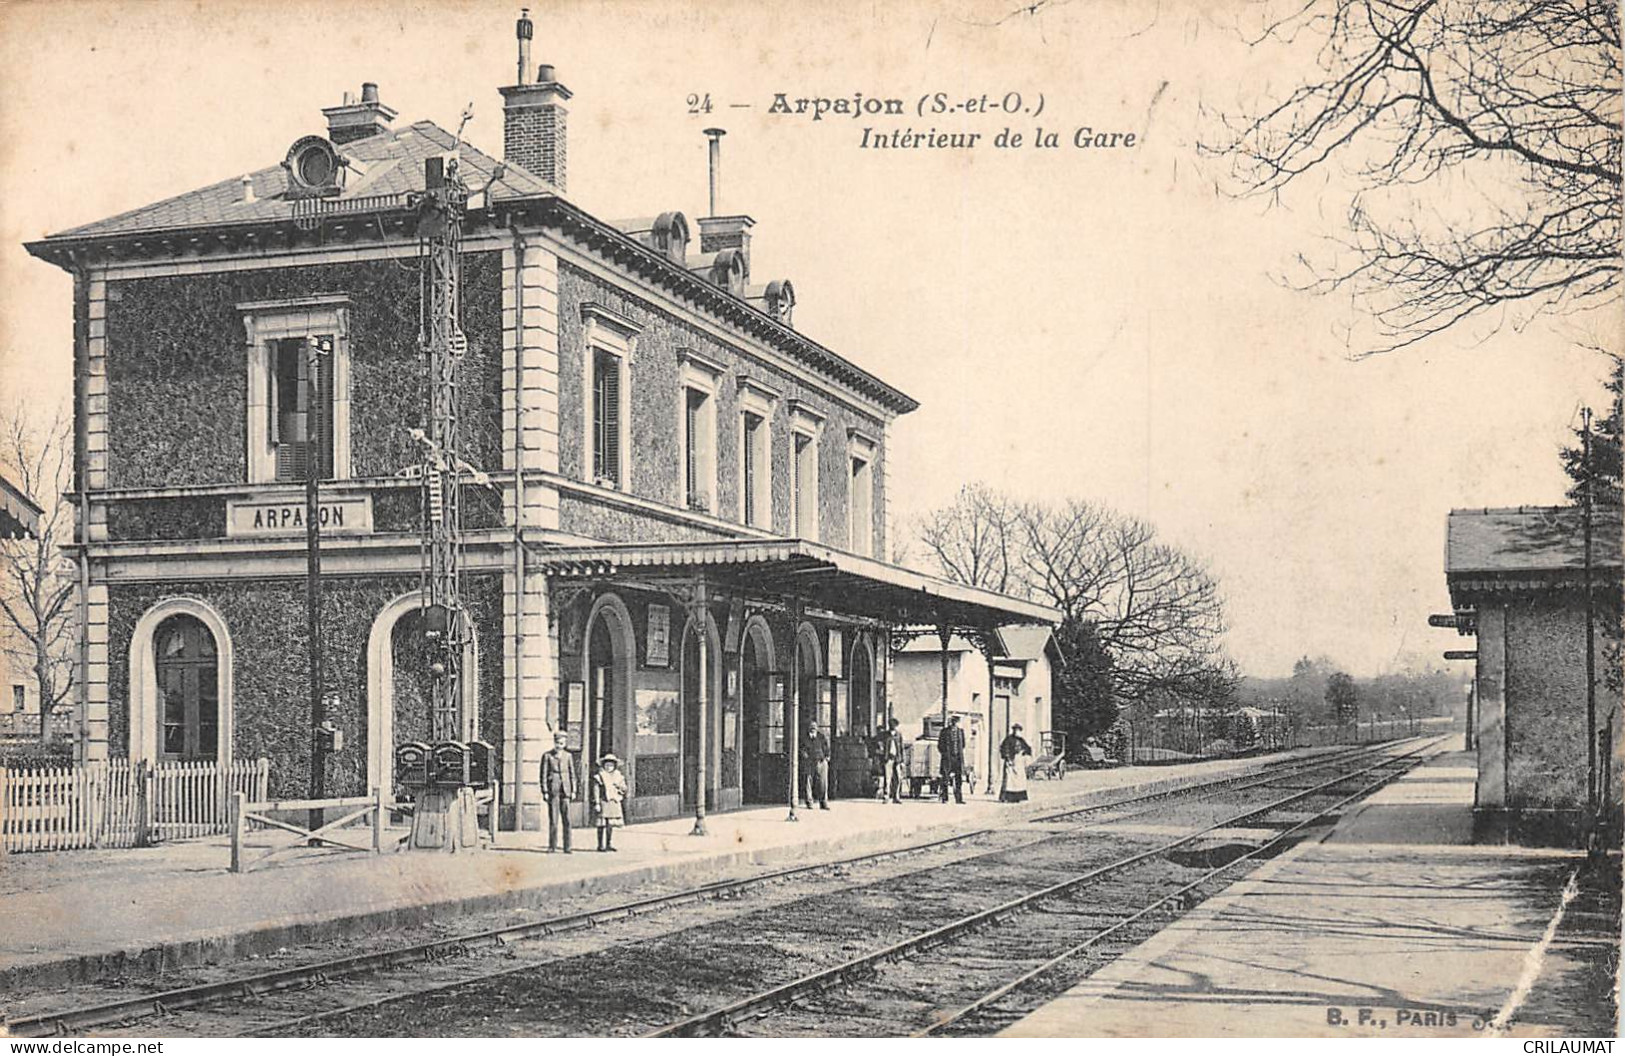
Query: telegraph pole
[[1587, 482], [314, 467]]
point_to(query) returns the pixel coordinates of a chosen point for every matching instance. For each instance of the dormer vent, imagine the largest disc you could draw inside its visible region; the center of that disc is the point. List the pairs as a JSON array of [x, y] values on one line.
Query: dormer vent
[[666, 234]]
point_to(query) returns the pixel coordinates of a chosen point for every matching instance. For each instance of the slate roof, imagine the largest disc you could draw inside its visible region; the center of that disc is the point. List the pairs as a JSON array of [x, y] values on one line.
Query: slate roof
[[1026, 642], [1528, 539], [387, 164]]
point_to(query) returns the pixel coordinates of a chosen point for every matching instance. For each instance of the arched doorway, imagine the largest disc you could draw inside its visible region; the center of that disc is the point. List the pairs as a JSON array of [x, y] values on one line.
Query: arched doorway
[[812, 710], [762, 720], [187, 670], [394, 664], [148, 706], [412, 687], [606, 665], [694, 709], [862, 691]]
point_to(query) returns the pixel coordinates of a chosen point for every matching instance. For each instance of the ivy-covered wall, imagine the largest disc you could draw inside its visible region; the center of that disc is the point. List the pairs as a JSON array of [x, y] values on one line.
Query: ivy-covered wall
[[177, 368], [266, 618], [655, 462]]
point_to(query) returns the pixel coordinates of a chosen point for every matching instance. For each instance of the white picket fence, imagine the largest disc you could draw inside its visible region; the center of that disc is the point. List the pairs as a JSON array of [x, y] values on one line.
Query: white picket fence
[[120, 804]]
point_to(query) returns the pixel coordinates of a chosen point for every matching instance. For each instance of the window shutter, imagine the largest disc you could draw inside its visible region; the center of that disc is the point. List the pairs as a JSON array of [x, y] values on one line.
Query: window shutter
[[610, 431]]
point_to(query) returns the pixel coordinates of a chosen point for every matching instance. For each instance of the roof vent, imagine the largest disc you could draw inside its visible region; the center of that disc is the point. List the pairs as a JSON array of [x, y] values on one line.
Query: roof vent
[[313, 168]]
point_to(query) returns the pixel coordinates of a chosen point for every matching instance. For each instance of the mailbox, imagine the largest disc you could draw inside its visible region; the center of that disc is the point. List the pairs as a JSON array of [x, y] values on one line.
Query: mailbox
[[450, 766], [481, 764], [412, 764]]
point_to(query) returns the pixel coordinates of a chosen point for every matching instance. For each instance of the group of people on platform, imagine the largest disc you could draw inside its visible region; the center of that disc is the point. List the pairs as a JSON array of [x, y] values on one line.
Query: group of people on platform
[[606, 795], [607, 789], [886, 763]]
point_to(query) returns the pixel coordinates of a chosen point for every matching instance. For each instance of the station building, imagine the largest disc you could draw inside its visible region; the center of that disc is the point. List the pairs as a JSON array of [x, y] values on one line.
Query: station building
[[673, 525], [1516, 578], [1012, 670]]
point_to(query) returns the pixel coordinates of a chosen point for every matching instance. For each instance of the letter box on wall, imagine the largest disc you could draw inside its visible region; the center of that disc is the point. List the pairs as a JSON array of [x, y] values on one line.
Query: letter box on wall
[[451, 764], [412, 764], [481, 764]]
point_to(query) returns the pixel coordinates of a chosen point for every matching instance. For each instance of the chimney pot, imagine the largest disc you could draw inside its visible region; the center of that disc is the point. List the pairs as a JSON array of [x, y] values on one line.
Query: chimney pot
[[715, 136], [369, 92], [524, 30]]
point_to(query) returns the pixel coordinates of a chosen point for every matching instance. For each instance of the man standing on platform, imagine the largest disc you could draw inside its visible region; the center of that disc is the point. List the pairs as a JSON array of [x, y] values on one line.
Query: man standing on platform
[[951, 749], [817, 756], [559, 789], [894, 761]]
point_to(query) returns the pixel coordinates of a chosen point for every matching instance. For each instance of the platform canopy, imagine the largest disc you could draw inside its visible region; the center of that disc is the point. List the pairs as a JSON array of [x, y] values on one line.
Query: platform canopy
[[784, 569], [19, 516]]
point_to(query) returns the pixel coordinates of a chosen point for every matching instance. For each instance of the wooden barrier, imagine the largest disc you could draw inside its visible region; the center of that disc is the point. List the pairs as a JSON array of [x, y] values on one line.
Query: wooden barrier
[[244, 812]]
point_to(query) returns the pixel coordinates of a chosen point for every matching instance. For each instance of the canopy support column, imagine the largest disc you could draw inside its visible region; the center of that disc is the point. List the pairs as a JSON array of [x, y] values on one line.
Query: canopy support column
[[699, 611], [792, 739], [988, 638], [944, 635]]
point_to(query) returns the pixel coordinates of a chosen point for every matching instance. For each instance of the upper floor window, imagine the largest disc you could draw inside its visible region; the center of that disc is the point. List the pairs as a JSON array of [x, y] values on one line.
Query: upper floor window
[[861, 494], [298, 388], [806, 425], [606, 419], [610, 341], [756, 453], [697, 432]]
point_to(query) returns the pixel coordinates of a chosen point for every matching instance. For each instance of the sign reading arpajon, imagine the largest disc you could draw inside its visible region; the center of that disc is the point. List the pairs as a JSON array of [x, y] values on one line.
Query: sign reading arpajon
[[337, 515]]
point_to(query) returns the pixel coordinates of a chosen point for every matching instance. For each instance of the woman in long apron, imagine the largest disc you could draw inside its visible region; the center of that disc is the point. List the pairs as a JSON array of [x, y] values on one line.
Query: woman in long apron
[[1013, 749]]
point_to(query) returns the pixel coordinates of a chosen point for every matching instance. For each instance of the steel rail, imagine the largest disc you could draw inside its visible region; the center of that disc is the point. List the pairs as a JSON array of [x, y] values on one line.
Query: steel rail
[[830, 978], [988, 999], [127, 1010], [281, 1027]]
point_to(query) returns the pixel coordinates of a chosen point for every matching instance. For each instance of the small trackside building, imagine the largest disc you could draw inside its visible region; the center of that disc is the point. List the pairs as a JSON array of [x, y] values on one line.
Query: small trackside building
[[1516, 579], [672, 548]]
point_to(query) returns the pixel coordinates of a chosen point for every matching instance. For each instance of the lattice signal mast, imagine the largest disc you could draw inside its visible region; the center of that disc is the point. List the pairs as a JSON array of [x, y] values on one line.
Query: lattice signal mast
[[440, 231]]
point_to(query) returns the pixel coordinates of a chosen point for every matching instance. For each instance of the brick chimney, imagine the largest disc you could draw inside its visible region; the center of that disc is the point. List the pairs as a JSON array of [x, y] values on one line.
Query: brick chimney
[[353, 120], [533, 116], [718, 233]]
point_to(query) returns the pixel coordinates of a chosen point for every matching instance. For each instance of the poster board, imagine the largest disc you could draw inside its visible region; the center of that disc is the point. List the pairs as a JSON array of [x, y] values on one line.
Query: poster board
[[655, 715], [657, 637]]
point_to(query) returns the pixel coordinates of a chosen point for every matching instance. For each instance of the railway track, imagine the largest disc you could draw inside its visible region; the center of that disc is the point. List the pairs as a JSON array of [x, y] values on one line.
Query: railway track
[[279, 1000], [880, 989]]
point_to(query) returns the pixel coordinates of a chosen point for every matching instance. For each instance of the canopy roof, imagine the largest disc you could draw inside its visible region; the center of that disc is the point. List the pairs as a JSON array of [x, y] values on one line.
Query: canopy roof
[[795, 568]]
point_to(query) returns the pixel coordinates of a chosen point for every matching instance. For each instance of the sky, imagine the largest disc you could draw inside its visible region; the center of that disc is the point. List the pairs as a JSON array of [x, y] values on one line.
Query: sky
[[1098, 323]]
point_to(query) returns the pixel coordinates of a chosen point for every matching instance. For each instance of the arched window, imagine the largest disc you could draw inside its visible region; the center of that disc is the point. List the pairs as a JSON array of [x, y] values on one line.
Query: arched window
[[188, 689]]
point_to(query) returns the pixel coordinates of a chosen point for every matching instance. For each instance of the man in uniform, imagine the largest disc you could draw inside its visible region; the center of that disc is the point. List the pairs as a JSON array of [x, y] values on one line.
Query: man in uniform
[[816, 754], [559, 789], [951, 749], [894, 761]]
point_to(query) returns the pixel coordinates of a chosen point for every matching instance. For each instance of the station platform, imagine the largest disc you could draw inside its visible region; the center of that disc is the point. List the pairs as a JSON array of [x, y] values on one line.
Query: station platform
[[72, 915], [1394, 925]]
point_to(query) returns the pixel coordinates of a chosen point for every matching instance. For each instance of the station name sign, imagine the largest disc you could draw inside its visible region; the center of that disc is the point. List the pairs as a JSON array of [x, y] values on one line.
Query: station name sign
[[337, 515]]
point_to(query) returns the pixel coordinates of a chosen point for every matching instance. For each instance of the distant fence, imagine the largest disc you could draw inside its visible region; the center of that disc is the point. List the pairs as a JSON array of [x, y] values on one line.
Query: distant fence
[[121, 804]]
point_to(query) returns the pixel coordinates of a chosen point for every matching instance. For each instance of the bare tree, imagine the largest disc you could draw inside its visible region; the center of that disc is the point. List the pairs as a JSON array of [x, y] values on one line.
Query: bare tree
[[37, 584], [970, 539], [1481, 143], [1154, 608]]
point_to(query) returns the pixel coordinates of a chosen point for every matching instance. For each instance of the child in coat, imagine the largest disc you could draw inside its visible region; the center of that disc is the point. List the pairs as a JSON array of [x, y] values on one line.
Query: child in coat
[[608, 799]]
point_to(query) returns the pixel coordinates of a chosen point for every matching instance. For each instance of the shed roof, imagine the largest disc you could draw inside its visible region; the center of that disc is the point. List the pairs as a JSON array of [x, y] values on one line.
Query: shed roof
[[1526, 548], [1528, 539]]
